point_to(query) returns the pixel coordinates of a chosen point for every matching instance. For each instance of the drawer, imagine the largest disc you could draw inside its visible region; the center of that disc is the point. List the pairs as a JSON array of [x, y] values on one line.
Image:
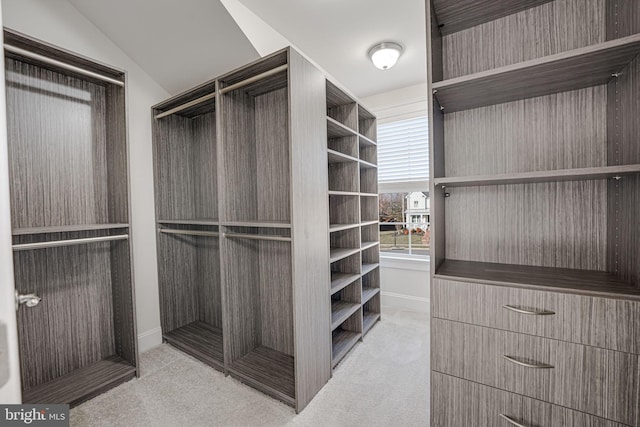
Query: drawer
[[588, 379], [601, 322], [456, 402]]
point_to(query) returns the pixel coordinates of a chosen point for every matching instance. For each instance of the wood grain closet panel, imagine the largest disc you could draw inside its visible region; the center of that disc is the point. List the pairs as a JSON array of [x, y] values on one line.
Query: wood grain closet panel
[[124, 310], [623, 18], [276, 296], [457, 402], [73, 326], [178, 280], [272, 156], [241, 276], [117, 154], [550, 224], [595, 381], [203, 167], [552, 28], [53, 120], [529, 135], [600, 322], [208, 280], [239, 190]]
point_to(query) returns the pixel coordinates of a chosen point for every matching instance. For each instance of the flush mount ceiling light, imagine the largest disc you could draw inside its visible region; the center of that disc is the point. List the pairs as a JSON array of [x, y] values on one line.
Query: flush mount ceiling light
[[385, 55]]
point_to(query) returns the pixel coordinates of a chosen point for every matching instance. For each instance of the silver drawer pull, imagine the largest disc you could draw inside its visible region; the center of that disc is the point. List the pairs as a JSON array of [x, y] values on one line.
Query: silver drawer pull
[[532, 312], [528, 365], [512, 421]]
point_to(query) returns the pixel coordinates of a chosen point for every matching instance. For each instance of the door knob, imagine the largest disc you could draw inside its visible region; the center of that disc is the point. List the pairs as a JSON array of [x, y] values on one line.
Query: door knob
[[30, 300]]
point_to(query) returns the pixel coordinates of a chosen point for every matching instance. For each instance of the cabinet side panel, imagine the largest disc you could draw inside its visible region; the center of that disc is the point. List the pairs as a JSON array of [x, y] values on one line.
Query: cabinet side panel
[[208, 281], [309, 200]]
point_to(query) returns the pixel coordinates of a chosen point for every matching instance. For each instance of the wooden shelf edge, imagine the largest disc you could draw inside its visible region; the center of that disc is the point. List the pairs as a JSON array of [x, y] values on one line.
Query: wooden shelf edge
[[369, 268], [368, 141], [343, 193], [368, 245], [247, 379], [342, 253], [343, 158], [256, 224], [540, 176], [344, 282], [368, 194], [371, 292], [344, 129], [67, 228], [341, 227], [209, 222], [366, 165], [364, 223]]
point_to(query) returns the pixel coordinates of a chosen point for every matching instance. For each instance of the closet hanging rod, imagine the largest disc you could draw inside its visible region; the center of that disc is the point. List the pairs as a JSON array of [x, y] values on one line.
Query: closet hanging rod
[[186, 105], [257, 237], [189, 232], [70, 242], [253, 79], [55, 62]]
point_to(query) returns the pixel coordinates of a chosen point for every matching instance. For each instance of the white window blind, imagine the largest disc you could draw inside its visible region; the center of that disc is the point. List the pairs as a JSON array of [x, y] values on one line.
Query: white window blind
[[403, 151]]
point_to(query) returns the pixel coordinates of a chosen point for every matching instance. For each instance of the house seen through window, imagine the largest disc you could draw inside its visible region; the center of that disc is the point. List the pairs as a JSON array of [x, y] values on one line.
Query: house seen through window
[[403, 159]]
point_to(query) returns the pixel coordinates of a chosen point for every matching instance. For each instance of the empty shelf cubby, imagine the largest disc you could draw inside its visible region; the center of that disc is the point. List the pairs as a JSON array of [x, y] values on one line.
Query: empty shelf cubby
[[367, 123], [370, 256], [345, 336], [344, 272], [345, 144], [345, 302], [368, 153], [369, 234], [344, 243], [368, 180], [344, 177], [370, 312], [343, 211], [368, 209], [370, 284], [341, 107]]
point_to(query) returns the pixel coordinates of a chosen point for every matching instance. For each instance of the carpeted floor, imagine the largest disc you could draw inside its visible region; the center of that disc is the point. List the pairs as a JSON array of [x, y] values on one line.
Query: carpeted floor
[[383, 382]]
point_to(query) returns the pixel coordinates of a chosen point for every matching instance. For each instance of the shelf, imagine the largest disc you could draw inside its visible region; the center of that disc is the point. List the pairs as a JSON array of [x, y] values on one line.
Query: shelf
[[365, 223], [368, 268], [589, 282], [338, 157], [368, 194], [339, 227], [368, 320], [367, 245], [343, 341], [344, 193], [366, 141], [575, 69], [257, 224], [340, 281], [200, 340], [367, 165], [190, 221], [454, 16], [66, 228], [540, 176], [368, 293], [337, 254], [335, 129], [82, 384], [269, 371], [341, 311]]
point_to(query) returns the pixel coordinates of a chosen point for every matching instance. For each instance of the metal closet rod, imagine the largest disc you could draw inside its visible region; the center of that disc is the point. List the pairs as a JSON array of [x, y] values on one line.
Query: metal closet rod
[[257, 237], [189, 232], [186, 105], [253, 79], [55, 62], [70, 242]]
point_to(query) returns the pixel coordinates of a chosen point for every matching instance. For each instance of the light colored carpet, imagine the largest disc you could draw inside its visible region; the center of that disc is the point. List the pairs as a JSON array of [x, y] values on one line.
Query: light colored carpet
[[383, 382]]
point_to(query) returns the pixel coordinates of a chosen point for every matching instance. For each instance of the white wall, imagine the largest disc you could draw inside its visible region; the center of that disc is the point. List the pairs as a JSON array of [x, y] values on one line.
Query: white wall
[[59, 23], [404, 283]]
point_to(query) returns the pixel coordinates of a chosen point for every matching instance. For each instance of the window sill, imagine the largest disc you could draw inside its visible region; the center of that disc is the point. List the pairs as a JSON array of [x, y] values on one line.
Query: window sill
[[404, 262]]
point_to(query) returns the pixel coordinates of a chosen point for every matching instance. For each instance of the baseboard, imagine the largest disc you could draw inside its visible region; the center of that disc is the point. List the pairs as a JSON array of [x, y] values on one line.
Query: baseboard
[[409, 302], [149, 339]]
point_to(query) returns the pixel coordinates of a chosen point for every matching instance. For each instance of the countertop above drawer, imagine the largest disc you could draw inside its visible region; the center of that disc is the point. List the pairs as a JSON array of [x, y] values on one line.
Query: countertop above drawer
[[588, 379], [596, 321], [458, 402]]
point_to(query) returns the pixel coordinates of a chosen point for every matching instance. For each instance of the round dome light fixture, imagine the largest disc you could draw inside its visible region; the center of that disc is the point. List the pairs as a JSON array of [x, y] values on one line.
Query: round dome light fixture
[[385, 55]]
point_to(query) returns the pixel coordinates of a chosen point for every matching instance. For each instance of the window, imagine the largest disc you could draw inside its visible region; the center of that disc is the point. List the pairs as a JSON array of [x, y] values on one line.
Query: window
[[403, 159]]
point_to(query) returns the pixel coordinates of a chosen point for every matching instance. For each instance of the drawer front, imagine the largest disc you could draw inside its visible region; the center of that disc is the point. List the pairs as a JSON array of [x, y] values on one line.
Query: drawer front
[[601, 322], [588, 379], [456, 402]]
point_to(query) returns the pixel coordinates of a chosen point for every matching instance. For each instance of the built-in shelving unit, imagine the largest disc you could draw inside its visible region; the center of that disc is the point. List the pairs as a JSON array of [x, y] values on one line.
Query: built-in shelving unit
[[353, 216], [535, 187], [68, 169]]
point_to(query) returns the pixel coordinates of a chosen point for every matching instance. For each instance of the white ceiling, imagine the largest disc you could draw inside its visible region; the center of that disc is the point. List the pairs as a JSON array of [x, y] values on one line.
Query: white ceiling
[[183, 43], [178, 43]]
